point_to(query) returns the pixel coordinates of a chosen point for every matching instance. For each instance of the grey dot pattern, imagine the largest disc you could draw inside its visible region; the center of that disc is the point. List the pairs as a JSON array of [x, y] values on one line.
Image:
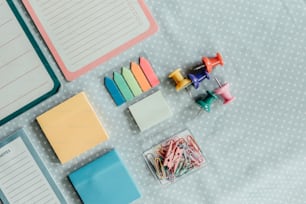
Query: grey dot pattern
[[255, 146]]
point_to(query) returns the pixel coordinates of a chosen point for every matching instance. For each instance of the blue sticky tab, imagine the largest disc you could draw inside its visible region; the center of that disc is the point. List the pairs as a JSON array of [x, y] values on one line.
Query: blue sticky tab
[[104, 180], [114, 91]]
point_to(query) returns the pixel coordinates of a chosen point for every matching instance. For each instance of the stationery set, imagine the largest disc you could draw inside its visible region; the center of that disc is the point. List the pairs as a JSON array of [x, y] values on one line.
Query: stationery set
[[80, 36]]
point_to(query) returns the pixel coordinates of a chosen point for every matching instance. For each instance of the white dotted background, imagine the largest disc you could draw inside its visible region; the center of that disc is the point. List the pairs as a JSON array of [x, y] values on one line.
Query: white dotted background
[[255, 147]]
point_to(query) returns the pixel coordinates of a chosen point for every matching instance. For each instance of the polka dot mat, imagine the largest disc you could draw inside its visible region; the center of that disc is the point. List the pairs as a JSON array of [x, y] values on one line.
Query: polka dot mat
[[255, 146]]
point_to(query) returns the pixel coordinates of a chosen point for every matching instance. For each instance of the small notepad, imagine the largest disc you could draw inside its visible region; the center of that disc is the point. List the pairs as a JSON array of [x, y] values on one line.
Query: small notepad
[[25, 75], [83, 34], [72, 127], [105, 180], [23, 177], [150, 111]]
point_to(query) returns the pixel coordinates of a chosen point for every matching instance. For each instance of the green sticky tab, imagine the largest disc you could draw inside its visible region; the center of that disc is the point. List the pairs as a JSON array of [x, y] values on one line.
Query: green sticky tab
[[131, 81], [123, 87]]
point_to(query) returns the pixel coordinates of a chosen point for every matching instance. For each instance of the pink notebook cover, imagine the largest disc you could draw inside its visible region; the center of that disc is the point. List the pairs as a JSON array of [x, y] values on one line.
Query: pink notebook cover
[[73, 75]]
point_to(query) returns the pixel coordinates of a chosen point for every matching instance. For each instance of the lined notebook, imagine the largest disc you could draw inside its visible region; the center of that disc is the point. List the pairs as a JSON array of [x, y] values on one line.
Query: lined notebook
[[83, 34], [25, 76], [23, 177]]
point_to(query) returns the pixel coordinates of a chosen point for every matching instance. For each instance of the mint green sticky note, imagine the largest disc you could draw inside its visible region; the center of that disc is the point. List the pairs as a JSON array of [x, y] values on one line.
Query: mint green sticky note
[[123, 87], [131, 81]]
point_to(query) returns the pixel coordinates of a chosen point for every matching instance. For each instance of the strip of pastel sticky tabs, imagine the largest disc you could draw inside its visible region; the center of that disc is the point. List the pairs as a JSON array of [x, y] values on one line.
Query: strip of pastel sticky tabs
[[148, 71], [140, 77], [123, 87], [114, 91], [131, 81]]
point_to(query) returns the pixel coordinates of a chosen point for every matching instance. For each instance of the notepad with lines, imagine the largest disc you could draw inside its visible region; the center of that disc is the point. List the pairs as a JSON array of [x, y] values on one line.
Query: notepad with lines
[[23, 177], [25, 76], [83, 34]]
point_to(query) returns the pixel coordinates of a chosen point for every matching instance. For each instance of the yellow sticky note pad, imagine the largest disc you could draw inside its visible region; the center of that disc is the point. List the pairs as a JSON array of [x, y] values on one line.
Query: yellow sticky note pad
[[72, 127]]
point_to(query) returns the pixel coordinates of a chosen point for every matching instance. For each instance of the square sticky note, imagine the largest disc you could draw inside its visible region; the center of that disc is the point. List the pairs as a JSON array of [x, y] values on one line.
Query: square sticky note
[[105, 180], [150, 111], [72, 127]]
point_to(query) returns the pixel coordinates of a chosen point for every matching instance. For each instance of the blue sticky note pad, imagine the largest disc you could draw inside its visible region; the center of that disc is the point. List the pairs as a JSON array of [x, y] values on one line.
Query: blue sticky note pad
[[105, 180]]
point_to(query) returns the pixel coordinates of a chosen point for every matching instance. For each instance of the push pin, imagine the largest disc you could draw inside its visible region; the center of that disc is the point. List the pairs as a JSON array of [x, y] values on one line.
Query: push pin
[[180, 81], [207, 101], [211, 62], [198, 75], [224, 92]]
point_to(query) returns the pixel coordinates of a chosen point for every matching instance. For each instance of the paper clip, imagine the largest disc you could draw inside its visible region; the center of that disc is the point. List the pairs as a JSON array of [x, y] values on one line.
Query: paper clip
[[179, 168], [168, 161], [191, 142], [175, 157], [150, 158], [160, 170]]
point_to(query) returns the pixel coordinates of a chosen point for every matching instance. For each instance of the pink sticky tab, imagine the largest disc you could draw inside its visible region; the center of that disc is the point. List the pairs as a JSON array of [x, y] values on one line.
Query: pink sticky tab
[[148, 71]]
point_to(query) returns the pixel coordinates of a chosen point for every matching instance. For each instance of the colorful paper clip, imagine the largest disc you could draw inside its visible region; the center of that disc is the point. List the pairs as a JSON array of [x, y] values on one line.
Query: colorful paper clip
[[175, 157]]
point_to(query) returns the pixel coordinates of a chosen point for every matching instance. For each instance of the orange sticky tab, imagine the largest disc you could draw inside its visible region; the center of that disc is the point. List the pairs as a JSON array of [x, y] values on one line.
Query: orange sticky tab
[[140, 77]]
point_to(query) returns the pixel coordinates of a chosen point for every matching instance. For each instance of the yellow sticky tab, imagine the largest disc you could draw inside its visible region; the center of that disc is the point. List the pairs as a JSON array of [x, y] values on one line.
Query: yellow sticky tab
[[72, 127]]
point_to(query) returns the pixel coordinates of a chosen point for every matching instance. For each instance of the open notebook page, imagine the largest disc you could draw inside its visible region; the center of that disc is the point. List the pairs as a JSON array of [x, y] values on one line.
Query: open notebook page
[[21, 179], [23, 77], [81, 34]]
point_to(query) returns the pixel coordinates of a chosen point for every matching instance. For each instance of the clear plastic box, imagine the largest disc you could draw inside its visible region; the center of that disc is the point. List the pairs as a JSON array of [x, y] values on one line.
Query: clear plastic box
[[175, 157]]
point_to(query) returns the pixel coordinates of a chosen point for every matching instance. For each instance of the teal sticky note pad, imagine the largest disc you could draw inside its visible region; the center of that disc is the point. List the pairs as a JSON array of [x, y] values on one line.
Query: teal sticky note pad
[[105, 180]]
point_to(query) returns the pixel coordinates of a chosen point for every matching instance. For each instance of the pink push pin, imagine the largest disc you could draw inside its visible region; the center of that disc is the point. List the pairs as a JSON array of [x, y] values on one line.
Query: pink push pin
[[224, 92]]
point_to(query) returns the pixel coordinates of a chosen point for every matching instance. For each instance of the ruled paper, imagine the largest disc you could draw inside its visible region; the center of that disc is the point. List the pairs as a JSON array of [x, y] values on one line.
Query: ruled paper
[[83, 31], [23, 77], [21, 180]]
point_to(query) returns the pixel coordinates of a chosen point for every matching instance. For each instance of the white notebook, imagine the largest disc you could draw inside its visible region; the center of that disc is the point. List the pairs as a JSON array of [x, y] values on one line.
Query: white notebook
[[24, 78], [83, 34], [23, 177]]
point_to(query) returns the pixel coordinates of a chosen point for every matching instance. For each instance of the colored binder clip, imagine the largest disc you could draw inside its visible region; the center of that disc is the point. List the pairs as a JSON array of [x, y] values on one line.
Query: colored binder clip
[[179, 80], [207, 101], [224, 92]]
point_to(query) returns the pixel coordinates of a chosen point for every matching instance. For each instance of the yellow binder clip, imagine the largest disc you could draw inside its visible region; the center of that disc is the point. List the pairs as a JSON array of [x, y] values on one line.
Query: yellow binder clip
[[180, 81]]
